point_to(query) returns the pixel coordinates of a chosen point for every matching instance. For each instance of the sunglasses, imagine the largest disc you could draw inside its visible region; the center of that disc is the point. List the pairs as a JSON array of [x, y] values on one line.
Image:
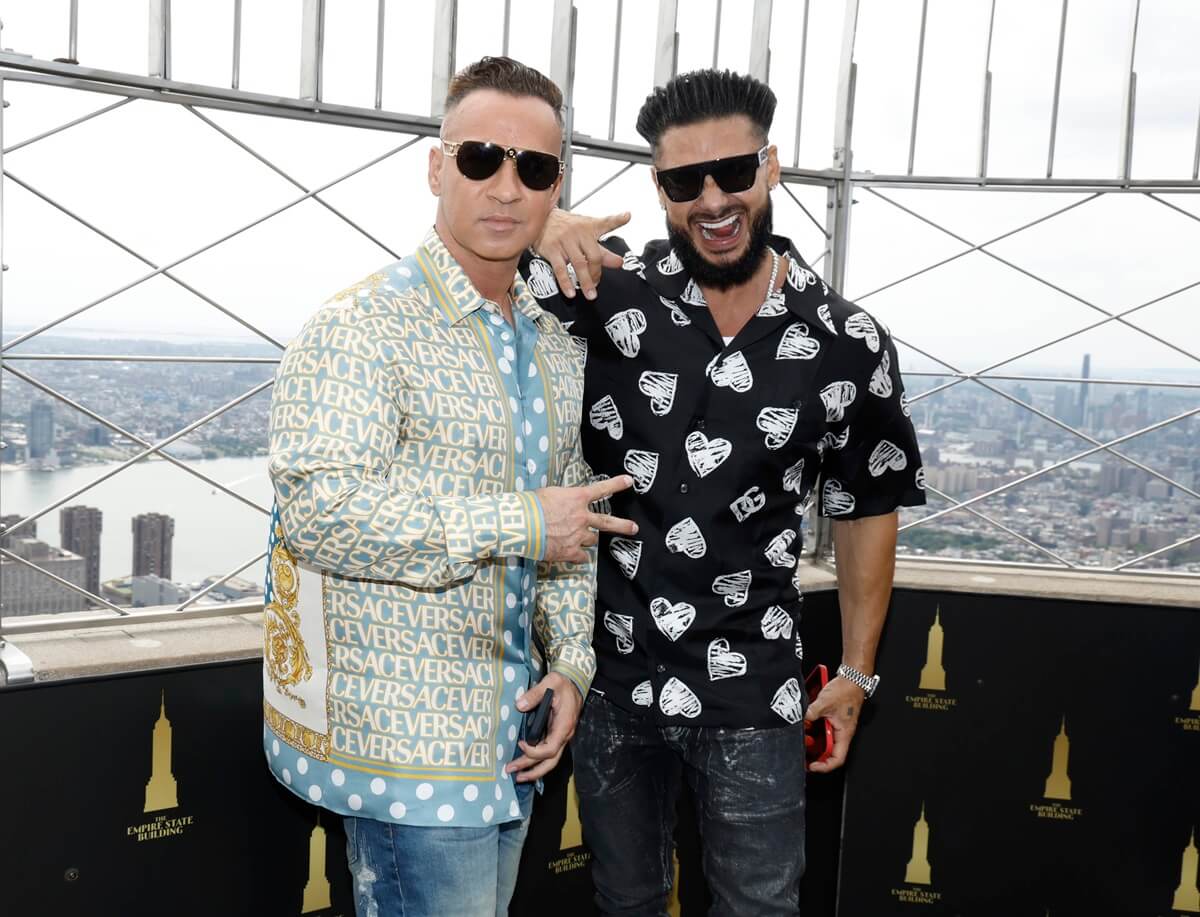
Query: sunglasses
[[732, 175], [478, 160]]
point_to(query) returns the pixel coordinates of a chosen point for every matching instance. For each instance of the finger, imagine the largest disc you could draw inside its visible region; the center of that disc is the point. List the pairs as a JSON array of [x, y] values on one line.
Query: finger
[[532, 697], [613, 221], [558, 261], [606, 488], [583, 270], [590, 540], [610, 259], [841, 746], [605, 523], [540, 771]]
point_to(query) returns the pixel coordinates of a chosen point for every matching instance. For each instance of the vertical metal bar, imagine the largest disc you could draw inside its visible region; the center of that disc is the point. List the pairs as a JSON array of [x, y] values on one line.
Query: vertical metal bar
[[800, 93], [73, 34], [562, 71], [716, 35], [1126, 151], [1062, 36], [912, 132], [1196, 155], [666, 42], [616, 73], [507, 25], [312, 49], [160, 39], [445, 37], [379, 55], [760, 40], [3, 268], [236, 77], [985, 113]]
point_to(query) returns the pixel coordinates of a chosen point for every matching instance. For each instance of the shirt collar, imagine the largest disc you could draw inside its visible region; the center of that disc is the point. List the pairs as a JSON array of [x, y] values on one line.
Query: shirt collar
[[453, 291]]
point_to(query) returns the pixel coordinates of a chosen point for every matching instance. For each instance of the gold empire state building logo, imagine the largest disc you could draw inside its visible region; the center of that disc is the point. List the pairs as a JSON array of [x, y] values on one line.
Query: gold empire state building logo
[[933, 675], [918, 871], [1187, 896], [1195, 704], [316, 890], [161, 791], [572, 832], [1058, 784]]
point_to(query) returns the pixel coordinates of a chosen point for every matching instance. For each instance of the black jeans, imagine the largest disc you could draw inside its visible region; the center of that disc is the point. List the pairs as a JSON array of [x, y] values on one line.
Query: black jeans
[[749, 790]]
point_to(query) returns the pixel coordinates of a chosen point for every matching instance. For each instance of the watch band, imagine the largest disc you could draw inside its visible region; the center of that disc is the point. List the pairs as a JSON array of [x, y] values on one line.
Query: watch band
[[853, 675]]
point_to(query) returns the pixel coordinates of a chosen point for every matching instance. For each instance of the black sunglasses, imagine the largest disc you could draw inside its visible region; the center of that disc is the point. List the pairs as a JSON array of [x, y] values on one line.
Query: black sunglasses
[[478, 160], [732, 175]]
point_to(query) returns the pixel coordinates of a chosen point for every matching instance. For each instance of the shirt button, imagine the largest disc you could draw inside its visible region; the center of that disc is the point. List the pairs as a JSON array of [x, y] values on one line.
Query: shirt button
[[700, 423], [661, 668], [683, 488]]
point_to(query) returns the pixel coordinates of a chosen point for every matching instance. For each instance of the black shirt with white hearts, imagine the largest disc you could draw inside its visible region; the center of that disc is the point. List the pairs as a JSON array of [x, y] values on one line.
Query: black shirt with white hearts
[[696, 616]]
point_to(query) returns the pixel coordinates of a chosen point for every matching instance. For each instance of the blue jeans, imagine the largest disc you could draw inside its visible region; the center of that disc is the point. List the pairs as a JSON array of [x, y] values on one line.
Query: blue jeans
[[412, 871], [748, 786]]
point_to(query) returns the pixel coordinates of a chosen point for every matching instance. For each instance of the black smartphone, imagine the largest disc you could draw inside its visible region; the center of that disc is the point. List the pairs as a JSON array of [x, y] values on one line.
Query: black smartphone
[[535, 726]]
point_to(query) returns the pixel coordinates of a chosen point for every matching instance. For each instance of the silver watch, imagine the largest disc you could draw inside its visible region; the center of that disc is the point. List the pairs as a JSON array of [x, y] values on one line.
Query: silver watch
[[854, 676]]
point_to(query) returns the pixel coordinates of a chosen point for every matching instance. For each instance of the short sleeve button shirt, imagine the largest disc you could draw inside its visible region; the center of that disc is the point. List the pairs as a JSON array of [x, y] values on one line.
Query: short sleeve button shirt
[[728, 445]]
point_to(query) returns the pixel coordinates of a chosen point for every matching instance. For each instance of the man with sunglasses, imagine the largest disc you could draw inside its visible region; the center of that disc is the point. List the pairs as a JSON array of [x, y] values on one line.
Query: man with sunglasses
[[737, 389], [432, 546]]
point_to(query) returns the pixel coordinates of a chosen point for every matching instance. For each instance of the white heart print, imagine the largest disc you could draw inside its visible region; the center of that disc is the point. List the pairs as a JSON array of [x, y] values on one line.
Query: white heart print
[[627, 553], [773, 306], [778, 424], [748, 503], [693, 295], [621, 627], [777, 549], [670, 265], [632, 262], [735, 587], [881, 381], [581, 345], [793, 478], [826, 319], [625, 329], [834, 441], [605, 417], [796, 344], [677, 317], [836, 499], [732, 372], [884, 456], [859, 325], [685, 537], [660, 389], [706, 455], [724, 662], [672, 619], [642, 467], [541, 279], [837, 396], [677, 699], [776, 624], [919, 479], [799, 276], [787, 702], [643, 694]]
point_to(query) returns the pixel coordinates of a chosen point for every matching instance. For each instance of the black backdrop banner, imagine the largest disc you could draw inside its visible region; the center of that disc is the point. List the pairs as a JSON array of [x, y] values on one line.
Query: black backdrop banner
[[1022, 757]]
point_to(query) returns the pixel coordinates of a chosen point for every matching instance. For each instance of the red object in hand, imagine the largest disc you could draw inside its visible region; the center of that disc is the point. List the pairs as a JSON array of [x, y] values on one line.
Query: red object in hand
[[818, 734]]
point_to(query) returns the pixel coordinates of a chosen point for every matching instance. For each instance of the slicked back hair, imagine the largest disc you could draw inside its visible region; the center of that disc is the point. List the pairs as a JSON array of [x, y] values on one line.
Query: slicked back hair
[[503, 74], [704, 94]]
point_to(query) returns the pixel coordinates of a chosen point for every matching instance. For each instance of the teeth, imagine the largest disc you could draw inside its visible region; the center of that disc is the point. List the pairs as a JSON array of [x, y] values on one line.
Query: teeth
[[725, 222]]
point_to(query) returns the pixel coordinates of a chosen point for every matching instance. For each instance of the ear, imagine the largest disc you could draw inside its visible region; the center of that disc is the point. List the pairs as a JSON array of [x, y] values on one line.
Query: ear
[[662, 198], [772, 166], [436, 161], [556, 191]]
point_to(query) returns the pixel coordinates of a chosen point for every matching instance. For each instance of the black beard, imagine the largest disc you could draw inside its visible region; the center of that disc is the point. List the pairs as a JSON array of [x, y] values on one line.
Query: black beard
[[731, 274]]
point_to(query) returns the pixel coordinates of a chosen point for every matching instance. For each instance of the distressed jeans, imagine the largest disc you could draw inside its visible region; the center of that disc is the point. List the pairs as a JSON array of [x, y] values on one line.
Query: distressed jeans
[[748, 786], [412, 871]]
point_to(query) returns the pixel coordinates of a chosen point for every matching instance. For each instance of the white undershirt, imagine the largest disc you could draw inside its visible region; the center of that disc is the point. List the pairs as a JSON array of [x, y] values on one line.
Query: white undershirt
[[727, 338]]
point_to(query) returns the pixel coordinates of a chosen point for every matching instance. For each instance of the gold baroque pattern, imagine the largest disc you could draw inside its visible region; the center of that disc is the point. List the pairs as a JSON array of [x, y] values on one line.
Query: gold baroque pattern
[[299, 737], [283, 647]]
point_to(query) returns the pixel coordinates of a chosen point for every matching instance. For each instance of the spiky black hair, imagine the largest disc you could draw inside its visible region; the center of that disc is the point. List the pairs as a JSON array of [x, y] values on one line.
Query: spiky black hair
[[704, 94]]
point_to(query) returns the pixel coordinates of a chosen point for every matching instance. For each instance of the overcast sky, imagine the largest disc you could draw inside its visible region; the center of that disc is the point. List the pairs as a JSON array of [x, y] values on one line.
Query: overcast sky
[[165, 183]]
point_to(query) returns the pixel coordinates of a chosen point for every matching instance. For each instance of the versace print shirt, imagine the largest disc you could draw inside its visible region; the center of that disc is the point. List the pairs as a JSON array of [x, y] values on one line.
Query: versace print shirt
[[407, 608], [729, 445]]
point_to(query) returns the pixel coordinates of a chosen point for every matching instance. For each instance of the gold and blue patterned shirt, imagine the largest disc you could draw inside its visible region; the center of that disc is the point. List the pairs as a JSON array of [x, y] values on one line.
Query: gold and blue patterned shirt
[[410, 426]]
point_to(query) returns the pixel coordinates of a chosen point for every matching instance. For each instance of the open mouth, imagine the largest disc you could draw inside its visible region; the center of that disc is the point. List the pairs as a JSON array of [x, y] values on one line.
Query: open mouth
[[722, 232]]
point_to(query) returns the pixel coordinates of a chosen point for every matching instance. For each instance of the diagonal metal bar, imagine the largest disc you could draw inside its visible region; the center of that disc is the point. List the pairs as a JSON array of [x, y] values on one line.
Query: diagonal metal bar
[[156, 448], [604, 184], [973, 248], [146, 261], [821, 257], [225, 238], [62, 582], [1052, 467], [1148, 555], [1176, 207], [62, 127], [133, 437], [1145, 383], [1002, 527], [1086, 437], [286, 177], [147, 358], [815, 222], [217, 582], [1050, 343], [1016, 267]]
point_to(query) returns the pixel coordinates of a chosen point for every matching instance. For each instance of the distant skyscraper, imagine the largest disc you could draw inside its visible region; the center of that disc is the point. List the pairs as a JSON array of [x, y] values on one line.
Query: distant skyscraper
[[1086, 373], [26, 531], [79, 532], [41, 429], [153, 534]]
